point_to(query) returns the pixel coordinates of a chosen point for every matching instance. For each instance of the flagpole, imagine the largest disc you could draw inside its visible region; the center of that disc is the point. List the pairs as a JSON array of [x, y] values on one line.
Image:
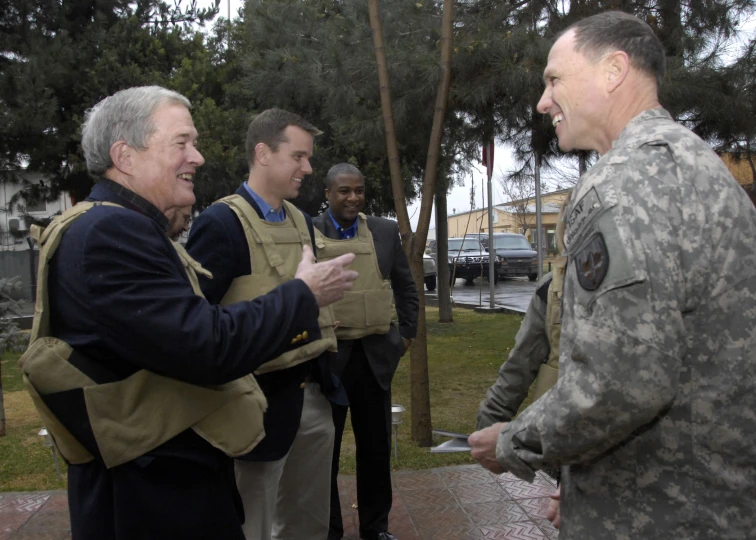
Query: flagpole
[[491, 249]]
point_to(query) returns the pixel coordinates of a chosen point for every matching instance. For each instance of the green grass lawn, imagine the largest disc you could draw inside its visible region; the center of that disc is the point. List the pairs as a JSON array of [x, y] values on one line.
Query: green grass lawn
[[464, 358], [25, 464]]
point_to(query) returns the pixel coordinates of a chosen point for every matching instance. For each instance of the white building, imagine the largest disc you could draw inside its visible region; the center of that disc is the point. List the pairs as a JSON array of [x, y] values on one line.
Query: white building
[[13, 227]]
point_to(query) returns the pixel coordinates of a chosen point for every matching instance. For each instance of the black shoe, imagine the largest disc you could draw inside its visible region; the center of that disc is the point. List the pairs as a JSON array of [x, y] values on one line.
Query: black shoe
[[379, 536]]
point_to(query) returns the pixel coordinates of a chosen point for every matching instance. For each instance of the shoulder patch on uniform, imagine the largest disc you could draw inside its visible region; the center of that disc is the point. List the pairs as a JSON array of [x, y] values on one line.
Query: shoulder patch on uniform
[[592, 263], [543, 290], [586, 207]]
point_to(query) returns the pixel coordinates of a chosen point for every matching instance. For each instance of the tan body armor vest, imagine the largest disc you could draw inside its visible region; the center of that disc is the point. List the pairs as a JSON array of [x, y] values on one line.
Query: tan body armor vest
[[133, 416], [366, 309], [549, 371], [275, 250]]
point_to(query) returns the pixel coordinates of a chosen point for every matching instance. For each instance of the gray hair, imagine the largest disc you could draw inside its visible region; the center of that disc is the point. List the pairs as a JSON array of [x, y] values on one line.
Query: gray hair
[[124, 116], [617, 31], [339, 169]]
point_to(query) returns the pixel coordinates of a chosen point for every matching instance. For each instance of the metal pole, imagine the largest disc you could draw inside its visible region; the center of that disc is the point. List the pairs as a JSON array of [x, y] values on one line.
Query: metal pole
[[491, 250], [57, 466], [539, 226], [396, 442]]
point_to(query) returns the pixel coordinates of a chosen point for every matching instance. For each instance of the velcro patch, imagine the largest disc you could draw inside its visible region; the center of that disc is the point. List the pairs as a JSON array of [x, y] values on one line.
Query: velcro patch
[[581, 213], [592, 263]]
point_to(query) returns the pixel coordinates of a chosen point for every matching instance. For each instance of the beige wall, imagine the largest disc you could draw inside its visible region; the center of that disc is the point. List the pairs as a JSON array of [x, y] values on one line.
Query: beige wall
[[477, 220], [740, 169]]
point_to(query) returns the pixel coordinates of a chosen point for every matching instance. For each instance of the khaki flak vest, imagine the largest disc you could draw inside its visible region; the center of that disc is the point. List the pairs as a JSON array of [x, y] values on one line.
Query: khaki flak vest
[[275, 250], [133, 416], [366, 309], [548, 373]]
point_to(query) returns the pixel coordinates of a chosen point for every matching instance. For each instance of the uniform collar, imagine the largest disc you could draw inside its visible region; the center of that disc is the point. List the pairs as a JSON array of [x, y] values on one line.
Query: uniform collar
[[109, 191], [641, 129]]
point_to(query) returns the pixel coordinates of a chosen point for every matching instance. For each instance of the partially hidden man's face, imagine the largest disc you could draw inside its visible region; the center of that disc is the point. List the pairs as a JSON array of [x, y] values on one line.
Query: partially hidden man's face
[[290, 163], [346, 197], [574, 95], [163, 173], [178, 221]]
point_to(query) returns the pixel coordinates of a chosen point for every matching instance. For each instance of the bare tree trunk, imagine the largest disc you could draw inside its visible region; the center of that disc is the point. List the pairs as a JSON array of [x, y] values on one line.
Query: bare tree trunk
[[414, 245], [582, 162], [2, 405], [445, 314], [392, 147], [421, 413]]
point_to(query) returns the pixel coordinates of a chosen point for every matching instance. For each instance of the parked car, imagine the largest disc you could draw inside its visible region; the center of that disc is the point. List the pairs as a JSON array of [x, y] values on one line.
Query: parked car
[[429, 268], [515, 254], [467, 259]]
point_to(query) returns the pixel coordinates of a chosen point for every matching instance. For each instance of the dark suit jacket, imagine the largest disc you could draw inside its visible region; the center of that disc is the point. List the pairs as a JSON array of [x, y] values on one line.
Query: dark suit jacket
[[383, 351], [217, 241], [119, 294]]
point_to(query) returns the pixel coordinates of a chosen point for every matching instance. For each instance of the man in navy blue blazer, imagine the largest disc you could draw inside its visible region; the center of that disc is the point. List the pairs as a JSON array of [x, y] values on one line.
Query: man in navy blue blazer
[[250, 242], [120, 297]]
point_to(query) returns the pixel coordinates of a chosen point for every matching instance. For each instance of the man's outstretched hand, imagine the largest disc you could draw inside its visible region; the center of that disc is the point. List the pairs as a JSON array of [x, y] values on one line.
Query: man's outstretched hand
[[327, 280]]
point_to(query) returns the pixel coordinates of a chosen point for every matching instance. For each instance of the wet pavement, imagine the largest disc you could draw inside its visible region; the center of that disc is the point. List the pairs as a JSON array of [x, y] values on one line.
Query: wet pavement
[[512, 294], [463, 502]]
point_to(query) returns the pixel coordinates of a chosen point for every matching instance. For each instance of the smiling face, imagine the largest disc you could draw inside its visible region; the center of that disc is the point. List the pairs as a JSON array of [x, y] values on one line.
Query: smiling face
[[574, 96], [346, 198], [289, 164], [163, 173]]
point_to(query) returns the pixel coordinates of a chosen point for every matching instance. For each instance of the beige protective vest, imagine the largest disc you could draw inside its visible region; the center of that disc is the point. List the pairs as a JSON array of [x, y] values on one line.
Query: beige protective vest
[[275, 250], [366, 309], [135, 415], [548, 373]]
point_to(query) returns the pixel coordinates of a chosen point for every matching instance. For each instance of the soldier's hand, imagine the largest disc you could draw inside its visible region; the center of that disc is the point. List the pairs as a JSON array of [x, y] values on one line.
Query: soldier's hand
[[552, 512], [483, 444], [327, 280]]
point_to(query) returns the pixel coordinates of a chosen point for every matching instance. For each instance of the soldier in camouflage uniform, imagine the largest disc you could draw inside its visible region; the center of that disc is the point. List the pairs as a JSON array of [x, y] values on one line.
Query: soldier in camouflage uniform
[[653, 418]]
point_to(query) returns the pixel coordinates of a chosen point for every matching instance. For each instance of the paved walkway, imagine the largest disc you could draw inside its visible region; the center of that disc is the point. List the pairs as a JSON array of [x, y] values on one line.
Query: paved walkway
[[464, 502]]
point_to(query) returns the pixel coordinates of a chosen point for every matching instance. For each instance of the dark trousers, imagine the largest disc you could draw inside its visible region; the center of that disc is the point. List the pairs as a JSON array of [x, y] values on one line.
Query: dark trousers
[[370, 407], [154, 499]]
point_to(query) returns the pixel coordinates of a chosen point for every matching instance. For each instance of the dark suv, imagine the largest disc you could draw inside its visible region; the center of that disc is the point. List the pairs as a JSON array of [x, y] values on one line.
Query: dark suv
[[515, 254], [466, 259]]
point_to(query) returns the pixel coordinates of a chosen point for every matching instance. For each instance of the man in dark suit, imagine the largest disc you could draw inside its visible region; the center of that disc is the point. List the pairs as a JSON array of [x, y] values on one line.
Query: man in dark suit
[[119, 309], [250, 241], [370, 345]]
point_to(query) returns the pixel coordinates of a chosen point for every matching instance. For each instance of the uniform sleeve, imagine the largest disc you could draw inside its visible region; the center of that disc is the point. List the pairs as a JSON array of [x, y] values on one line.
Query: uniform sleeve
[[403, 286], [530, 350], [147, 312], [622, 332]]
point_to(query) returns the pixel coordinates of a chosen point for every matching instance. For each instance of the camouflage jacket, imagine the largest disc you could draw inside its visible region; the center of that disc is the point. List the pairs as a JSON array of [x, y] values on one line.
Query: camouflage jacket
[[530, 350], [653, 418]]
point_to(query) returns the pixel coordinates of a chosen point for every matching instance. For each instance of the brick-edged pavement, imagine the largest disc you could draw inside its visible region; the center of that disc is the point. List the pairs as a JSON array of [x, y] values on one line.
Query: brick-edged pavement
[[465, 502]]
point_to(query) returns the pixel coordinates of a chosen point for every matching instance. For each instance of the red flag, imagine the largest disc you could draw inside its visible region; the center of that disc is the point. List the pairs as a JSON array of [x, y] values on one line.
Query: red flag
[[488, 157]]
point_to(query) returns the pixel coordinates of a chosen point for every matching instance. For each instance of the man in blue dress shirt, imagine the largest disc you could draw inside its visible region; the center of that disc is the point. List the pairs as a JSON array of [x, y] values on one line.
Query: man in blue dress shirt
[[250, 241]]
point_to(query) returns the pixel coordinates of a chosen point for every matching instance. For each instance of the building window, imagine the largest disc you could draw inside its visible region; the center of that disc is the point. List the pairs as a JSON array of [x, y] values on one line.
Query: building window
[[40, 206]]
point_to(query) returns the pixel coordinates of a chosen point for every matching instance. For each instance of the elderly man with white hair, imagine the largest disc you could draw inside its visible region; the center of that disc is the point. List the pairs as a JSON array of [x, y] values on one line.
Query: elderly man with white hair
[[143, 384]]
